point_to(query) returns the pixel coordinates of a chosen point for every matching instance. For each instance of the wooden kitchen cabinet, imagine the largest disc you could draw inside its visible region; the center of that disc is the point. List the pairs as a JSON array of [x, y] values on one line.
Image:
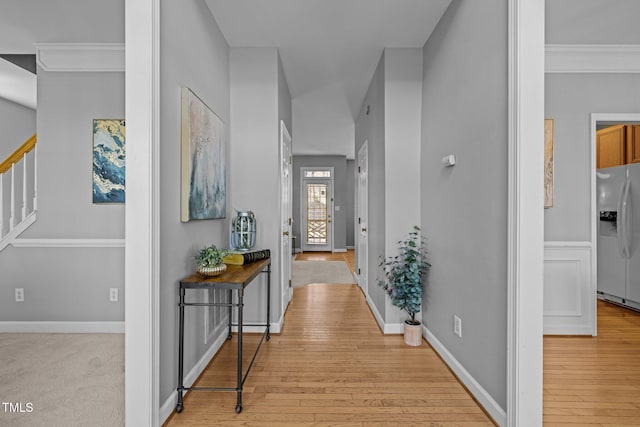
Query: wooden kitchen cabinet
[[633, 144], [611, 146]]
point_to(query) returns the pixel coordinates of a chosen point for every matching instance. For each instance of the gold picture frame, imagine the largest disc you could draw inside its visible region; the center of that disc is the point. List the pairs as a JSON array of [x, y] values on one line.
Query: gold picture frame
[[548, 163]]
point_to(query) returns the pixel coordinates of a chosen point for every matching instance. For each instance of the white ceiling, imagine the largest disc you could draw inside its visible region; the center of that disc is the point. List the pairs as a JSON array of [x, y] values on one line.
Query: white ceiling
[[329, 51], [17, 85]]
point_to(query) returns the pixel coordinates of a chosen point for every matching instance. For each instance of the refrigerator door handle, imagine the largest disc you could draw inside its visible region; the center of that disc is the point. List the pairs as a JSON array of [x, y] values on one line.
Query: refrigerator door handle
[[624, 221], [628, 216], [621, 222]]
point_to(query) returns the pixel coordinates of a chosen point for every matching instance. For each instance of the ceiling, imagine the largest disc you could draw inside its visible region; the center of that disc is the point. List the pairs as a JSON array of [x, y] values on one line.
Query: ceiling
[[329, 51]]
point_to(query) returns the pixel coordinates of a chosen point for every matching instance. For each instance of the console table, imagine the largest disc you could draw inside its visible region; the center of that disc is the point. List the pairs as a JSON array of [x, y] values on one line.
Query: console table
[[237, 277]]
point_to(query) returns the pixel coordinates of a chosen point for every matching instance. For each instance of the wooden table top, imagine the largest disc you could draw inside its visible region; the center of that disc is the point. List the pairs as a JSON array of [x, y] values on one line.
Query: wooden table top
[[235, 277]]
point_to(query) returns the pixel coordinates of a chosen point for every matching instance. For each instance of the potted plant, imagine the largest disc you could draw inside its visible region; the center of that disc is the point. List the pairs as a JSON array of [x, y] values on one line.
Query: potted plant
[[404, 281], [209, 261]]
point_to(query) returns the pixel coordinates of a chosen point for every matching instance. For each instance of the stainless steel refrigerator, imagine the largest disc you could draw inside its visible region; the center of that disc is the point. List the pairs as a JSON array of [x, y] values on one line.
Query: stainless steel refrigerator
[[619, 234]]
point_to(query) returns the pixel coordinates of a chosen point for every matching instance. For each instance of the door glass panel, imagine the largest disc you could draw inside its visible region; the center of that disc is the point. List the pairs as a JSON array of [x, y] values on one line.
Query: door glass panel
[[317, 214]]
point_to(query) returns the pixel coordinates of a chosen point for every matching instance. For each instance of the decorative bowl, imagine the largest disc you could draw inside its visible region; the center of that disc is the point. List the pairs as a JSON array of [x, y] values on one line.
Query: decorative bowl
[[212, 271]]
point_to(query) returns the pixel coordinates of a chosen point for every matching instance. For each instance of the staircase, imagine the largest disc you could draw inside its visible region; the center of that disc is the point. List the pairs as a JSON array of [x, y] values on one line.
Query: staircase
[[18, 196]]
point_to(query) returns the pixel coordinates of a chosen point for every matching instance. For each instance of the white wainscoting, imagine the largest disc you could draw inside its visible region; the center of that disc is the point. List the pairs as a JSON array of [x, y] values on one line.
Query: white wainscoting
[[569, 288]]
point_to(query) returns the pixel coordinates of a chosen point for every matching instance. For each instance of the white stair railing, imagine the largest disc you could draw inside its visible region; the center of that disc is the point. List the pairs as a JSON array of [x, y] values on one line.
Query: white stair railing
[[20, 170]]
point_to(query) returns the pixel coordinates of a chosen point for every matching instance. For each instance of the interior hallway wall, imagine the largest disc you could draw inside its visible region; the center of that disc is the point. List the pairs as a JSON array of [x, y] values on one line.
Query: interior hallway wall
[[67, 104], [571, 98], [193, 54], [464, 208], [17, 124], [351, 203]]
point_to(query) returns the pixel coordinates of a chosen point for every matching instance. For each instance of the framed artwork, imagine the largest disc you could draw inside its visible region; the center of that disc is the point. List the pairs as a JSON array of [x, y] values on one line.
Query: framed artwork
[[204, 173], [109, 160], [548, 163]]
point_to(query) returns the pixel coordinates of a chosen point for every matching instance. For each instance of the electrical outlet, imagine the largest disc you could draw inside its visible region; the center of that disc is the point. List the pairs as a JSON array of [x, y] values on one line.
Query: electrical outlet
[[457, 326], [113, 294], [19, 294]]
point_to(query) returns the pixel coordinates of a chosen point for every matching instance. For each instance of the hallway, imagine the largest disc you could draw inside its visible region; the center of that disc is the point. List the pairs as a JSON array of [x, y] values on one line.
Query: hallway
[[331, 366]]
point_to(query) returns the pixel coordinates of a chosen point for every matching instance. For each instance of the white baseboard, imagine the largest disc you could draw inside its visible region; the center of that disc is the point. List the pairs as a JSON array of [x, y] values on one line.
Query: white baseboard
[[339, 250], [393, 328], [351, 247], [488, 403], [63, 327], [376, 313], [169, 405]]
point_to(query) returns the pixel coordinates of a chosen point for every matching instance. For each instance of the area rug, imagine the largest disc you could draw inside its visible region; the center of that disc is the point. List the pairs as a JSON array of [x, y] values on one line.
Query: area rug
[[331, 272], [62, 380]]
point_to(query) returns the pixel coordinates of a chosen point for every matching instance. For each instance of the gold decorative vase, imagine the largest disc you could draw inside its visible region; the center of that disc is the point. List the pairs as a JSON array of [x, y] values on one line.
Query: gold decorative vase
[[212, 271]]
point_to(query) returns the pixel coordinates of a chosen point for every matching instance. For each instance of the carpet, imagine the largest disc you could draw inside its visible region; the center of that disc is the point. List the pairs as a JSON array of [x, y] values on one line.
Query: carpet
[[61, 380], [332, 272]]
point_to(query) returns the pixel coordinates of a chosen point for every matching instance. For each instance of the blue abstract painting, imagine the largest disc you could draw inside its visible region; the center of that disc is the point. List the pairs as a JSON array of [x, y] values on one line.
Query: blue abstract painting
[[204, 176], [108, 161]]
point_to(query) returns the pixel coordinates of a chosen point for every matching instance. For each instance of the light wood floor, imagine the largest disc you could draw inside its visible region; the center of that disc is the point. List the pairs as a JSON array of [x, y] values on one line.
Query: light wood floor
[[595, 381], [348, 257], [331, 366]]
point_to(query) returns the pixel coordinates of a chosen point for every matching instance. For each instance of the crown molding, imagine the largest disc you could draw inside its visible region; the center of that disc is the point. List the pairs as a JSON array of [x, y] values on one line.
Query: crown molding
[[81, 57], [579, 58]]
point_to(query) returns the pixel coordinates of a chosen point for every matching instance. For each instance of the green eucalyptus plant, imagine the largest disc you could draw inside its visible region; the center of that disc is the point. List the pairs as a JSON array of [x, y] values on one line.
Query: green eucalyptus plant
[[404, 274], [210, 256]]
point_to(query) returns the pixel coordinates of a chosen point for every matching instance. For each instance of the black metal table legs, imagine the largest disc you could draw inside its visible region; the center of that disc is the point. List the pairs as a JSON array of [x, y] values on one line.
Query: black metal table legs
[[180, 404]]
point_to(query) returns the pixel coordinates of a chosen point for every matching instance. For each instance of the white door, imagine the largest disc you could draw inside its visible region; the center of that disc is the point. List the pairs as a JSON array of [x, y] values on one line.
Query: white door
[[317, 208], [286, 191], [362, 215]]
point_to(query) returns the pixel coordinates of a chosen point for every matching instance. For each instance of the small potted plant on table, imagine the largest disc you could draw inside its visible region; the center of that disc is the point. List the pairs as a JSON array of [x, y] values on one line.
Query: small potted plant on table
[[209, 261], [403, 280]]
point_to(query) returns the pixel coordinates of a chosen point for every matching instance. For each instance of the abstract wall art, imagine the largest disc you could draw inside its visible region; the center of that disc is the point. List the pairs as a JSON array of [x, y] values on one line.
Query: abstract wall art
[[204, 176], [108, 160]]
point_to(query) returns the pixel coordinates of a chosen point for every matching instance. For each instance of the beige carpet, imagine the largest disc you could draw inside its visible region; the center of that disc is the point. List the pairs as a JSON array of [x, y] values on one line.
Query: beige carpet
[[307, 272], [66, 380]]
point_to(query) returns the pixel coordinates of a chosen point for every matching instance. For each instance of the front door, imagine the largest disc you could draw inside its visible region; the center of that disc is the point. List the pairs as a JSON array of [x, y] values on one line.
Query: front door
[[317, 209]]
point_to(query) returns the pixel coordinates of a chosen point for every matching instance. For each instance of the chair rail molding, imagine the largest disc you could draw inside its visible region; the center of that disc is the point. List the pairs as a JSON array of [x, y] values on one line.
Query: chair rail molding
[[81, 57], [587, 58], [68, 243]]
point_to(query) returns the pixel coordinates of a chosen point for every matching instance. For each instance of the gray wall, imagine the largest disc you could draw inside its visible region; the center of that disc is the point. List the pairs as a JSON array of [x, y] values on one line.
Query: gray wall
[[193, 54], [350, 202], [23, 23], [371, 127], [259, 100], [464, 208], [571, 98], [592, 21], [569, 101], [340, 183], [67, 105], [17, 123]]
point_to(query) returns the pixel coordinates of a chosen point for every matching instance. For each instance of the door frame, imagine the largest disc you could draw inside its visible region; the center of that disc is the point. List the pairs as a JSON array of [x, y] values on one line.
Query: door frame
[[303, 205]]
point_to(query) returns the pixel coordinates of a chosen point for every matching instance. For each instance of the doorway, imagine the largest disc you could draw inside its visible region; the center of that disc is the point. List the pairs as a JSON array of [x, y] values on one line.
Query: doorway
[[615, 142], [316, 209]]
